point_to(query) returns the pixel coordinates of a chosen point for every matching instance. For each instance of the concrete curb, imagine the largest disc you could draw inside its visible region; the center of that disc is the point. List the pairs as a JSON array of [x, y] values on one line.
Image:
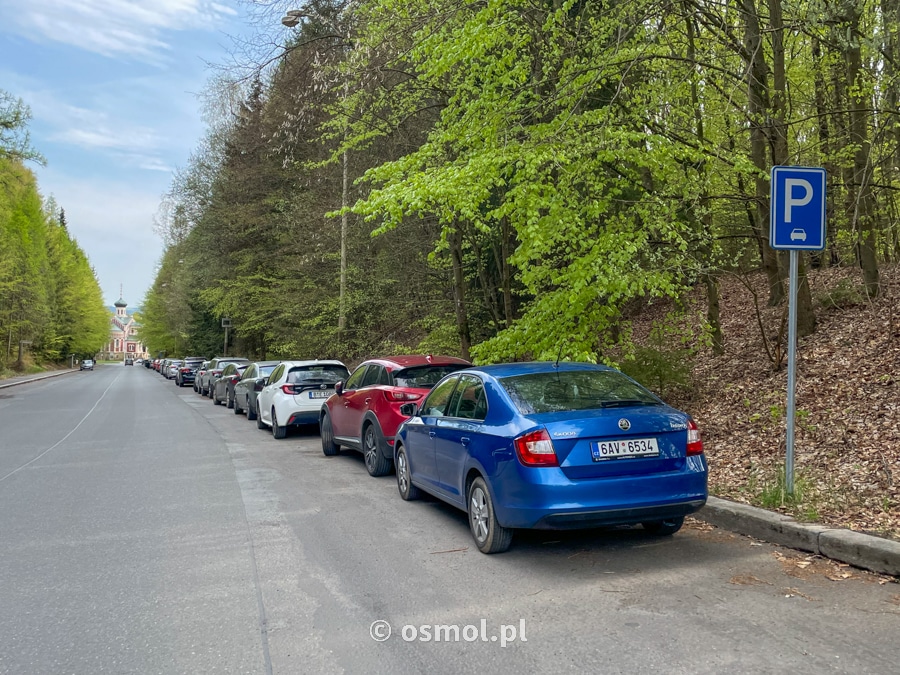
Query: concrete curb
[[862, 550], [25, 379]]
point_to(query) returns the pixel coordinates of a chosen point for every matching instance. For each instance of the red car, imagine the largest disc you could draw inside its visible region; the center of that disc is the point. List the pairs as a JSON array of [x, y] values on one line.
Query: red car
[[364, 412]]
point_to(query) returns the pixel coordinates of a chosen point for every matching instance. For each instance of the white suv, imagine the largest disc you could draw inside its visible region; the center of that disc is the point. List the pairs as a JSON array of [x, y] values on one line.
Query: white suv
[[295, 392]]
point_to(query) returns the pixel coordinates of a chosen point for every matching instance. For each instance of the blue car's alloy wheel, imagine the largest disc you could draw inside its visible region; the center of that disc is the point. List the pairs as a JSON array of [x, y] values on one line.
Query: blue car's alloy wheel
[[490, 536], [408, 491]]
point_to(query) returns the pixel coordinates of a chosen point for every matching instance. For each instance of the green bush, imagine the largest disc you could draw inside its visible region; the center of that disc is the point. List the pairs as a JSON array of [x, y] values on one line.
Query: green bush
[[844, 294], [664, 371], [665, 363]]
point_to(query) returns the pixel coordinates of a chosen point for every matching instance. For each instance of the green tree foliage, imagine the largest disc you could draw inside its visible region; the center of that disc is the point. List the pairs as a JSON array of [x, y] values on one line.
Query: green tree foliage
[[49, 295], [524, 176], [15, 142]]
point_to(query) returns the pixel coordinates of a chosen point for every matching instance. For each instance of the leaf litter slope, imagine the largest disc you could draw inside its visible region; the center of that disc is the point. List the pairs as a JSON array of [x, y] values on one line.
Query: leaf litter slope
[[847, 440]]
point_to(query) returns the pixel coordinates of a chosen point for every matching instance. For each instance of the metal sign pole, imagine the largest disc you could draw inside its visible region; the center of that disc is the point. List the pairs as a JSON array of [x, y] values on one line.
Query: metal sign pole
[[796, 223], [792, 372]]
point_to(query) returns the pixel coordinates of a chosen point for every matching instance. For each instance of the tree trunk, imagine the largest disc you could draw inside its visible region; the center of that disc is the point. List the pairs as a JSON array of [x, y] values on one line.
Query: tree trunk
[[505, 275], [708, 245], [828, 257], [890, 12], [459, 293], [806, 316], [758, 110], [864, 206]]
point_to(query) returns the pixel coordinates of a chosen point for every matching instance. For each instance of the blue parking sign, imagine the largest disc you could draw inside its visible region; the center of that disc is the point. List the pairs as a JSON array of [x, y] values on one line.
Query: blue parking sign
[[797, 216]]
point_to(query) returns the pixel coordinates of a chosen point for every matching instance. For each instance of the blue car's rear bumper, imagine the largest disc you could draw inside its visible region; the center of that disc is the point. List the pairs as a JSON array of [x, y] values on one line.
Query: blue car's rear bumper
[[546, 499]]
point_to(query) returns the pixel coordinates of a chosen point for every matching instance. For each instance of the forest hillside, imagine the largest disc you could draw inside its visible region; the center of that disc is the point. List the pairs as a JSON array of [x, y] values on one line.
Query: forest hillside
[[847, 443]]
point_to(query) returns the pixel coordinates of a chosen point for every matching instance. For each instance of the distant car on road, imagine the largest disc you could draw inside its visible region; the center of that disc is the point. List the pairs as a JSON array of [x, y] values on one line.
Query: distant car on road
[[187, 371], [206, 382], [551, 446], [223, 389], [87, 364], [198, 376], [171, 368], [129, 361], [252, 381]]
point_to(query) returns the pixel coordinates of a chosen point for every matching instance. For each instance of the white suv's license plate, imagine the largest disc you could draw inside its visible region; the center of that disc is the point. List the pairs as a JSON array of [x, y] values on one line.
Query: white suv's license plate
[[635, 447], [320, 393]]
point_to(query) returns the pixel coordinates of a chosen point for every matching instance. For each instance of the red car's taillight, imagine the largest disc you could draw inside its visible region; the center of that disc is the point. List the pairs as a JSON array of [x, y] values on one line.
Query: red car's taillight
[[185, 370], [694, 442], [536, 449], [394, 395]]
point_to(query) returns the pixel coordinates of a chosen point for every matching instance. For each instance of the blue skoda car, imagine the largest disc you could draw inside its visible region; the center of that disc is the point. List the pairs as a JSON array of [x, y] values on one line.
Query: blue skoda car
[[551, 446]]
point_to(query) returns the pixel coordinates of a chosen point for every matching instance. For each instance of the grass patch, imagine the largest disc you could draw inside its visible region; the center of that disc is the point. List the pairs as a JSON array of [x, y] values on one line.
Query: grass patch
[[773, 494]]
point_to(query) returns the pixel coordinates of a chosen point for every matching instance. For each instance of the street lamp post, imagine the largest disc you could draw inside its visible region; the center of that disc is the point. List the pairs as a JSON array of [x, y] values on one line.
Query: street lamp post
[[292, 19]]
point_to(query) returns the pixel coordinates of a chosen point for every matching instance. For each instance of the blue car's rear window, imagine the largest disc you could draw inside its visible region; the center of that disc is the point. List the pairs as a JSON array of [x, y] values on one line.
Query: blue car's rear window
[[574, 390]]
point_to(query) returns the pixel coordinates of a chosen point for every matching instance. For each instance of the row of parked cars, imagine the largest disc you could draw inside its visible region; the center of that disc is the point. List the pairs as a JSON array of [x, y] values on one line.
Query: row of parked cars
[[521, 445]]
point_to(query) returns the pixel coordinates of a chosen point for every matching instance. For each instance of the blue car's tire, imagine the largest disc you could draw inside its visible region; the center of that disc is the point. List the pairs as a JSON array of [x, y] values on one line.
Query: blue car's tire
[[666, 527], [490, 536], [408, 491]]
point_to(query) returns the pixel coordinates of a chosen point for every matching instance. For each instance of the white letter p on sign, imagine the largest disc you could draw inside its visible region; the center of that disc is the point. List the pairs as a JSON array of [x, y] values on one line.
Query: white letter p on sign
[[789, 201]]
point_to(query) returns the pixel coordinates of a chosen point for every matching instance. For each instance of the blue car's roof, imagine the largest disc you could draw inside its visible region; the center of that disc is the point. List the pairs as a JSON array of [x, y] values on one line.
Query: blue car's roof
[[531, 367]]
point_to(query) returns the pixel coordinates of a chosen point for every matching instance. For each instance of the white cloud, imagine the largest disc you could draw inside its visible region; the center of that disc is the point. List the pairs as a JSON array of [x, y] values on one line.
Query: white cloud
[[113, 224], [131, 28], [126, 142]]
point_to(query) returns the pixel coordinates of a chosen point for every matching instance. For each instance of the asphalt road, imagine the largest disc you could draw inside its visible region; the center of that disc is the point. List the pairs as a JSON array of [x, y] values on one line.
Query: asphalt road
[[145, 530]]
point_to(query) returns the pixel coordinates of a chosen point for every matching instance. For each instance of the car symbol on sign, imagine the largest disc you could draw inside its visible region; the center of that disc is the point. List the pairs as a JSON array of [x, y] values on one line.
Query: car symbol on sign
[[798, 234]]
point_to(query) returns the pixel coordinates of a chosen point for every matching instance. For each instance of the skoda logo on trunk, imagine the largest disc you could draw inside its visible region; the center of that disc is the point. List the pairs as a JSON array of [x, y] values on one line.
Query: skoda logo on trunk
[[624, 424]]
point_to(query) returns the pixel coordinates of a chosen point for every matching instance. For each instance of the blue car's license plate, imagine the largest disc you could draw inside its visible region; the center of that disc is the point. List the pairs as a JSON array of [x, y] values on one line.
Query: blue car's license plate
[[635, 447]]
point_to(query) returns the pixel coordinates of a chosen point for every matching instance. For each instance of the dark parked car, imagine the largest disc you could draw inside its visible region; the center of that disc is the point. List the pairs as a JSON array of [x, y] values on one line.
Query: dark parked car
[[551, 446], [223, 388], [252, 381], [213, 370], [364, 412], [187, 370]]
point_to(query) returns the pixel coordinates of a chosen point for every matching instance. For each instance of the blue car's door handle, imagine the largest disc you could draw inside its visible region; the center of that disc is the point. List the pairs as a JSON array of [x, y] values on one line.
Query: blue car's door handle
[[431, 434], [465, 441]]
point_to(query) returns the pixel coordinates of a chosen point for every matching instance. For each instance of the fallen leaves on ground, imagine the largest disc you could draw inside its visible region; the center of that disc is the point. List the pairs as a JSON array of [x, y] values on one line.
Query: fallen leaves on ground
[[847, 438]]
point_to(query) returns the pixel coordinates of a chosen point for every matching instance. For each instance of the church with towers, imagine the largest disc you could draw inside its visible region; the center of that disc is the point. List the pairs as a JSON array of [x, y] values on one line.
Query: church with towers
[[123, 335]]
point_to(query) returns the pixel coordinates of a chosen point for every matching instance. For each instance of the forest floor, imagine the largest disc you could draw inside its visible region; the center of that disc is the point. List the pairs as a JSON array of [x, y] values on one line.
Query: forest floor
[[847, 440]]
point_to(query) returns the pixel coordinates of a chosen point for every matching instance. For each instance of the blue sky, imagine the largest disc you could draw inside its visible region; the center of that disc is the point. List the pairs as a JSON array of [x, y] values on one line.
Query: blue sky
[[113, 88]]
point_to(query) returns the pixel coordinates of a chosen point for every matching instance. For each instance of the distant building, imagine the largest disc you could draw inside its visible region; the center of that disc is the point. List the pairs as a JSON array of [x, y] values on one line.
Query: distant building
[[123, 339]]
